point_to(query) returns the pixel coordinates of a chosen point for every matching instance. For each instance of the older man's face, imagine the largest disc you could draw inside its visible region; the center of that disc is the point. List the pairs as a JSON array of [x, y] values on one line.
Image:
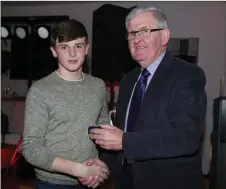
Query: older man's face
[[145, 49]]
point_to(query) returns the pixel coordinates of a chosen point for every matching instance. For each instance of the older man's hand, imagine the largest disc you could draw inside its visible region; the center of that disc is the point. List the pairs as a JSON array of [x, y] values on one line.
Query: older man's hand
[[108, 137]]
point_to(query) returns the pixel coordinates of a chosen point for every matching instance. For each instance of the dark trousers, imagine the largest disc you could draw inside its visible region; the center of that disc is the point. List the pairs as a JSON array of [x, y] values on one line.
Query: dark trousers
[[39, 184], [126, 177]]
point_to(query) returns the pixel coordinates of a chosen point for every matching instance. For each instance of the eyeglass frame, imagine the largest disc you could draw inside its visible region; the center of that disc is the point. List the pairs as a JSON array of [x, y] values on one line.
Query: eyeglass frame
[[136, 32]]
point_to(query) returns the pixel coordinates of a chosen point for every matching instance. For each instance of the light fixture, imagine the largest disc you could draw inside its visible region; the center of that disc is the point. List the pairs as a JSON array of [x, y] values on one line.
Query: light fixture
[[21, 32], [4, 32], [43, 31]]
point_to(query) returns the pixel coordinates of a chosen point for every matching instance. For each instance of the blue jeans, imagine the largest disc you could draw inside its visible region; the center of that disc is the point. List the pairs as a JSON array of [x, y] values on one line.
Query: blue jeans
[[39, 184]]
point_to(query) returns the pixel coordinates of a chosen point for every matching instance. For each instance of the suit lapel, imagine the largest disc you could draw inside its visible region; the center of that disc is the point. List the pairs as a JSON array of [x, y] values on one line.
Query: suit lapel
[[127, 91], [153, 90], [156, 85]]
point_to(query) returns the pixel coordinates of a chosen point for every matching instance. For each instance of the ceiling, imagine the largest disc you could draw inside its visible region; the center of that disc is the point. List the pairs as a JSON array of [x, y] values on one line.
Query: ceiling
[[28, 3]]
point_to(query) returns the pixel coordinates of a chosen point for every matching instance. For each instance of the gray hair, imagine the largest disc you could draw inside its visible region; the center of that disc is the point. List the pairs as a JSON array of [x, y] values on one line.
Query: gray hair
[[159, 16]]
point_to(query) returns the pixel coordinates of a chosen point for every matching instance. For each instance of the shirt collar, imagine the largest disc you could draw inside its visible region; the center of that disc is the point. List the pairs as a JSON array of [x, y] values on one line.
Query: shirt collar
[[152, 67]]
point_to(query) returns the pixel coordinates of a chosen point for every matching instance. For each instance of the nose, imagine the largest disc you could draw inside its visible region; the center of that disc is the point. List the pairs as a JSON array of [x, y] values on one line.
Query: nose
[[72, 52], [137, 38]]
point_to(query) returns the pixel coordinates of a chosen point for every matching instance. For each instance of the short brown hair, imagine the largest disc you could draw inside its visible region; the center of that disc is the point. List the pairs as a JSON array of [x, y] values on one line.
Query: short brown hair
[[68, 30]]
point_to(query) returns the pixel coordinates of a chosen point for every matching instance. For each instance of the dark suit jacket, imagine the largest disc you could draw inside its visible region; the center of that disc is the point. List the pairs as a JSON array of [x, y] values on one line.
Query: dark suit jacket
[[164, 149]]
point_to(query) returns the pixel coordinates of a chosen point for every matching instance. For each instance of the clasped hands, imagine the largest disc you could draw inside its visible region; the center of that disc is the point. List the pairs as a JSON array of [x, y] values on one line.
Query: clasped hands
[[98, 171], [110, 138]]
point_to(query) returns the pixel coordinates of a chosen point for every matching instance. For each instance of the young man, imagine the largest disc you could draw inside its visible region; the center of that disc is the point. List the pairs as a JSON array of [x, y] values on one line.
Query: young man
[[59, 110]]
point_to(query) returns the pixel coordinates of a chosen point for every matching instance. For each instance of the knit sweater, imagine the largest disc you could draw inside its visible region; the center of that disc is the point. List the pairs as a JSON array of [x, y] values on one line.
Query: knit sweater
[[57, 116]]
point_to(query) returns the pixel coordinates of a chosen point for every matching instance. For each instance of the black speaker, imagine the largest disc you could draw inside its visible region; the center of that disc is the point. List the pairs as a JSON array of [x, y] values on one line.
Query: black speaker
[[43, 62], [20, 50], [111, 58], [218, 140]]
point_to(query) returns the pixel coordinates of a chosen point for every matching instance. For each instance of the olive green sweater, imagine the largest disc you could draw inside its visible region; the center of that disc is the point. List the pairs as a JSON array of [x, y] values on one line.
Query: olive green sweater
[[57, 116]]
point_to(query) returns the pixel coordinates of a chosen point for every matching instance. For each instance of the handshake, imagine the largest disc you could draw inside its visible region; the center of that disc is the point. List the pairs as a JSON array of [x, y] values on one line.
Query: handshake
[[93, 172]]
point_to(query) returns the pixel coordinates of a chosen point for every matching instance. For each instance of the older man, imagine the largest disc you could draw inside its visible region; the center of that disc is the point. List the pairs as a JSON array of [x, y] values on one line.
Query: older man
[[160, 112]]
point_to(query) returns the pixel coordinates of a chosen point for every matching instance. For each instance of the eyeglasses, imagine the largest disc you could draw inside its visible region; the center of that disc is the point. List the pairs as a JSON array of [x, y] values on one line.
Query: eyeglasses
[[141, 33]]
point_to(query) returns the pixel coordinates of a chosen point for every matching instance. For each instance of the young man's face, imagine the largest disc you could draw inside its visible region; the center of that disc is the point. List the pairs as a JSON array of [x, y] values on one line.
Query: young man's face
[[71, 55]]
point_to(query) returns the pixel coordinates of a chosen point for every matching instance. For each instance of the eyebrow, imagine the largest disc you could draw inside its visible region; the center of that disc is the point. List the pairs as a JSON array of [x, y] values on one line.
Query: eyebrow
[[65, 44], [142, 28]]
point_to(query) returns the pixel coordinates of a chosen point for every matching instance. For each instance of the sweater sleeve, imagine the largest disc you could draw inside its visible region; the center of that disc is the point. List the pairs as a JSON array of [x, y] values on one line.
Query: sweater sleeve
[[35, 127], [103, 118]]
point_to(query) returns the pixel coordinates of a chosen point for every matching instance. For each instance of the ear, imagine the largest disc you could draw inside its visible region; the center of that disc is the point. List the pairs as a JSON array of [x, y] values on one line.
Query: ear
[[87, 49], [53, 52], [165, 36]]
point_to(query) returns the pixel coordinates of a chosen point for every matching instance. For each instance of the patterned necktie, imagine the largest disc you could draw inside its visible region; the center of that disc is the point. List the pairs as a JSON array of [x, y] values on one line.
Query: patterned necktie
[[136, 100]]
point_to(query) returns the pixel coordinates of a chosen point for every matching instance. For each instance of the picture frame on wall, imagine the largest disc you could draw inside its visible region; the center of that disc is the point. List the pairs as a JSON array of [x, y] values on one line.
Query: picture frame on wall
[[184, 48]]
